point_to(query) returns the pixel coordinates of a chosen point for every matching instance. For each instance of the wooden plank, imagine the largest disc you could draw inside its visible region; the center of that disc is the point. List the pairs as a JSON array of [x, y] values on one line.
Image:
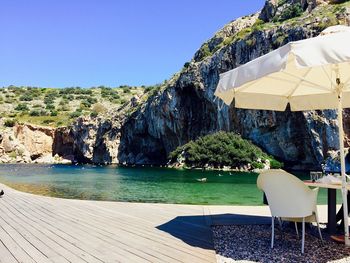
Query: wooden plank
[[50, 239], [94, 231], [27, 246], [167, 244], [124, 250], [127, 251], [13, 247], [32, 235], [132, 244], [91, 219], [6, 255], [144, 231]]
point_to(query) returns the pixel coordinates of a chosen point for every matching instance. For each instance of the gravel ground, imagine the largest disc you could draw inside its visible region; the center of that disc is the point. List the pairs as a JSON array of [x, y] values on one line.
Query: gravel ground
[[251, 243]]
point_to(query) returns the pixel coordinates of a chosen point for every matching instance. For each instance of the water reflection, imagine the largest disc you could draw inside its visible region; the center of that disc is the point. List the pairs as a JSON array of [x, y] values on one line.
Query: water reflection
[[135, 184]]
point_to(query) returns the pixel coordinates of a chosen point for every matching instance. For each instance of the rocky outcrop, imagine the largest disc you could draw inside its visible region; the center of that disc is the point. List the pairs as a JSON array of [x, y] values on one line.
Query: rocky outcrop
[[36, 140], [187, 109], [88, 140], [94, 139], [274, 8], [63, 143], [269, 10], [227, 31], [25, 143]]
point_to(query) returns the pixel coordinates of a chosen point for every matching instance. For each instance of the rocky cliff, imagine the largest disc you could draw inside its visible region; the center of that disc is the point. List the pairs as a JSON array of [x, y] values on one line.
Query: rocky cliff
[[187, 109], [95, 139], [148, 128], [25, 143], [88, 140]]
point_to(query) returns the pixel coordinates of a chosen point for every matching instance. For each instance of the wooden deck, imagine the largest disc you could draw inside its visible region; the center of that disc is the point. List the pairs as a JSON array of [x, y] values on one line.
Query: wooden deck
[[44, 229]]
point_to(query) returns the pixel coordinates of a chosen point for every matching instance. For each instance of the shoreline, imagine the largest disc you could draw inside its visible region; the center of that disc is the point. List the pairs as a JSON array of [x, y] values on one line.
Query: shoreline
[[206, 169], [34, 190], [233, 207]]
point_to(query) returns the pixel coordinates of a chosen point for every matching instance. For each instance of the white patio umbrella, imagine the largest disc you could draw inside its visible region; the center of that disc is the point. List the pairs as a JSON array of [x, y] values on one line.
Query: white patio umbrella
[[310, 74]]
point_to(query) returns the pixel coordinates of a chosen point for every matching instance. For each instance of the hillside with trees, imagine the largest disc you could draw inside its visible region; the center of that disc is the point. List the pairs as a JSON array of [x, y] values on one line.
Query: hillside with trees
[[60, 107]]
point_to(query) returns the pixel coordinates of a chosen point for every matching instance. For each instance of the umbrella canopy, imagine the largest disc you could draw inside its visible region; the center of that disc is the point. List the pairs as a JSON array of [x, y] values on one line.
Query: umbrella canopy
[[310, 74], [302, 73]]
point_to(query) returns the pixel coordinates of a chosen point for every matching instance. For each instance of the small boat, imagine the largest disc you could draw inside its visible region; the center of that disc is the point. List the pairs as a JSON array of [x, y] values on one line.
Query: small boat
[[203, 180]]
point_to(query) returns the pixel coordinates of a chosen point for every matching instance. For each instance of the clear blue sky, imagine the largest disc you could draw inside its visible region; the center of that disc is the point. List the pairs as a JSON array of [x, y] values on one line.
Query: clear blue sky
[[59, 43]]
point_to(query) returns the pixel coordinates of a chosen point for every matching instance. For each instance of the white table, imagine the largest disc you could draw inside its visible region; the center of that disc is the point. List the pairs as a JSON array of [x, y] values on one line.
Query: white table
[[332, 202]]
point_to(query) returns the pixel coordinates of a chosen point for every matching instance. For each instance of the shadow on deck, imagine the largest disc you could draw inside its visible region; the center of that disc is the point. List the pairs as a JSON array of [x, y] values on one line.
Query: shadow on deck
[[196, 230]]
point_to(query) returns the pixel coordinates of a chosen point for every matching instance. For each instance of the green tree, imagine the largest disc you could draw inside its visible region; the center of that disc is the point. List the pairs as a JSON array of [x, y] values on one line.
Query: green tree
[[75, 114], [34, 113], [22, 107], [222, 149], [10, 122]]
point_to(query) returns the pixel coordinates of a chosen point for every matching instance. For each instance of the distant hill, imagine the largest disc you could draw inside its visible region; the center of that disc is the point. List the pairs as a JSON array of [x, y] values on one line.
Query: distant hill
[[60, 107], [49, 125]]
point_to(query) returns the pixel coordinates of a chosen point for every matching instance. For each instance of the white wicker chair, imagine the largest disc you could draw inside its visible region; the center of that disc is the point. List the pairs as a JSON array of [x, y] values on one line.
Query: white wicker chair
[[289, 199]]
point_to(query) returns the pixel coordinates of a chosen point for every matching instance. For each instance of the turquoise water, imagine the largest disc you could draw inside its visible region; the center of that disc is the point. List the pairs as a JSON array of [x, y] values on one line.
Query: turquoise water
[[136, 184]]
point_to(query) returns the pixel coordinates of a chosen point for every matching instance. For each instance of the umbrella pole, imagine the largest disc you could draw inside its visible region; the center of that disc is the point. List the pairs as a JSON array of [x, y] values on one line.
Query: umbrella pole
[[342, 166]]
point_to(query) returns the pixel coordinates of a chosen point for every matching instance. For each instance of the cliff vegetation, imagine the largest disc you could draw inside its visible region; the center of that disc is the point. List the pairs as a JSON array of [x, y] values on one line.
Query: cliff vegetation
[[60, 107], [222, 149]]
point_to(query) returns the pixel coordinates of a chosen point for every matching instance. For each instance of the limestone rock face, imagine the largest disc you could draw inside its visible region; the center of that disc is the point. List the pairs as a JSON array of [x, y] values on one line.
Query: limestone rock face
[[269, 10], [27, 143], [63, 143], [36, 140], [87, 140], [273, 8], [228, 30], [187, 109], [95, 141]]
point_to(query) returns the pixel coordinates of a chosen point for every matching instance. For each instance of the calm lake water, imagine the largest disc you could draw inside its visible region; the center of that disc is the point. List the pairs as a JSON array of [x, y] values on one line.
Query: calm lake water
[[136, 184]]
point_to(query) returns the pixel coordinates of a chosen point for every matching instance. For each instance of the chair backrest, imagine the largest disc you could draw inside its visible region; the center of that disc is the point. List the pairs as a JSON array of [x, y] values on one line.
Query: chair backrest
[[287, 195]]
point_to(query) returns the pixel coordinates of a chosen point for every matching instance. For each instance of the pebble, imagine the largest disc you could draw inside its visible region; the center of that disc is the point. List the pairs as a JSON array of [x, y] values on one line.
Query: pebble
[[251, 243]]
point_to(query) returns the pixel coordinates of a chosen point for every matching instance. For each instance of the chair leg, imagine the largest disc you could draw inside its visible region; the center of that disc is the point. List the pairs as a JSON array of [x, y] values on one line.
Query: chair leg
[[280, 222], [318, 227], [273, 230], [296, 229], [303, 237]]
